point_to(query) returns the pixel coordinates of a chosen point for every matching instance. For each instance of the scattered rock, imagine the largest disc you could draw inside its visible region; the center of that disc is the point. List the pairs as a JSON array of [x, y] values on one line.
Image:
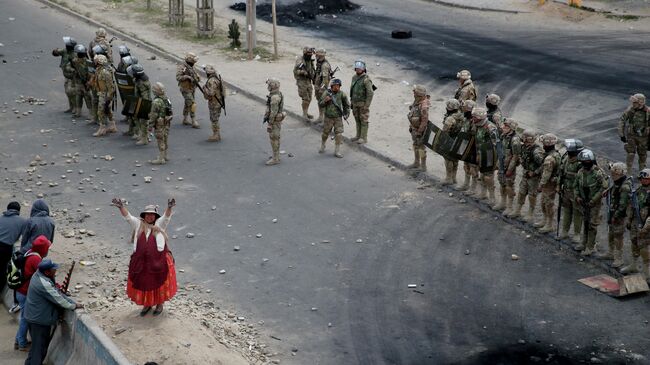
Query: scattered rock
[[86, 263], [108, 158], [222, 272], [412, 286], [359, 240], [189, 235], [236, 248], [259, 235], [147, 179], [514, 257]]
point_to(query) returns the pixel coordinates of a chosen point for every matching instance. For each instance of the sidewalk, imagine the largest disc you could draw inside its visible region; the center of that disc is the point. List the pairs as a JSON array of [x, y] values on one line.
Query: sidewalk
[[617, 7]]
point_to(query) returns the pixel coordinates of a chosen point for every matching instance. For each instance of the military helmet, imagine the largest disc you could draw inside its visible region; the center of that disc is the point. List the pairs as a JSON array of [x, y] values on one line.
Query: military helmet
[[307, 49], [638, 98], [129, 60], [586, 155], [468, 105], [321, 52], [549, 139], [618, 168], [644, 174], [452, 104], [69, 42], [492, 99], [528, 136], [135, 69], [80, 48], [191, 57], [100, 59], [100, 32], [209, 69], [273, 83], [573, 145], [359, 64], [479, 113], [158, 88], [99, 49], [511, 123], [420, 90], [124, 50], [464, 75]]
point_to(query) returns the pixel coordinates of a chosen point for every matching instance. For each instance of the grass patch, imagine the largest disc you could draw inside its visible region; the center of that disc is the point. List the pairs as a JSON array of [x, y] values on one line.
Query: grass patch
[[622, 17]]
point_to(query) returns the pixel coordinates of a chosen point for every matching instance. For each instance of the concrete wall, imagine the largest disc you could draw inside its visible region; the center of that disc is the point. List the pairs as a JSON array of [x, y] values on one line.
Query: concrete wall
[[79, 341]]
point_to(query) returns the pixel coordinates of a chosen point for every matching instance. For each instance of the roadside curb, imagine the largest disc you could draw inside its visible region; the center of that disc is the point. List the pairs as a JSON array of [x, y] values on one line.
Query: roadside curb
[[562, 245], [600, 11], [478, 8]]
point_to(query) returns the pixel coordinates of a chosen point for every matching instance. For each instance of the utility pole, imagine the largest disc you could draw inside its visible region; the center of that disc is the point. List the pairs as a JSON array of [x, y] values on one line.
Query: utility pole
[[275, 35], [251, 38]]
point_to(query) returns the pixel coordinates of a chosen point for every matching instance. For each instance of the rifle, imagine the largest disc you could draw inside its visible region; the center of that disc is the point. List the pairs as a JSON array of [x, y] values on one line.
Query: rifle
[[268, 107], [634, 196], [586, 214], [609, 201], [501, 156], [334, 71], [195, 78], [560, 196], [339, 107], [223, 96]]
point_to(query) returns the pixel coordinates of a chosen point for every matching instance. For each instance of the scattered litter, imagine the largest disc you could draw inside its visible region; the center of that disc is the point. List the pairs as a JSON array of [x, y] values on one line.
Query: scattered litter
[[147, 179], [514, 257], [411, 286], [620, 287], [108, 158], [259, 235], [87, 263], [222, 271], [189, 235]]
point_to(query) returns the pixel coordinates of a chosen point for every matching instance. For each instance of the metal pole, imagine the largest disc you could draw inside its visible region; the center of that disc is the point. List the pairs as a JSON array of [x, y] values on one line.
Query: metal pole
[[249, 27], [275, 35]]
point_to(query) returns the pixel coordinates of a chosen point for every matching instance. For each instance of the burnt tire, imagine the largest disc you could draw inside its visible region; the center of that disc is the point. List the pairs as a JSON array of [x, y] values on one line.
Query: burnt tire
[[401, 34]]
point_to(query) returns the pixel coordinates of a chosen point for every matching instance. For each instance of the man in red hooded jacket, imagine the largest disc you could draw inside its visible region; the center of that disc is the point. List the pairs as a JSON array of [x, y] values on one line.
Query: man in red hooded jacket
[[34, 256]]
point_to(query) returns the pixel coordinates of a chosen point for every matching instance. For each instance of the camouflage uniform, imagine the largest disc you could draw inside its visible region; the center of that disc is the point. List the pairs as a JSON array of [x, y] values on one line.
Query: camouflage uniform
[[322, 78], [471, 170], [570, 209], [160, 118], [67, 55], [81, 77], [274, 116], [142, 90], [452, 124], [334, 118], [100, 38], [512, 150], [361, 93], [590, 184], [418, 118], [105, 89], [641, 237], [619, 204], [304, 72], [466, 90], [188, 79], [548, 182], [532, 158], [486, 135], [494, 114], [633, 131], [215, 94]]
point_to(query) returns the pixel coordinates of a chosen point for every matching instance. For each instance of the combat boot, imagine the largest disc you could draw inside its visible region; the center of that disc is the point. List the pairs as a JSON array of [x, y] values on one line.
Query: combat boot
[[517, 211], [160, 160], [465, 185], [305, 113], [337, 150], [548, 227], [590, 244], [579, 246], [632, 268], [321, 116], [272, 161], [423, 161], [195, 124], [112, 128], [618, 259], [364, 135], [607, 255], [645, 261], [215, 137], [473, 186], [416, 161], [502, 201], [532, 201], [358, 136], [186, 120], [482, 192], [448, 180], [142, 141], [322, 146], [100, 132], [276, 155]]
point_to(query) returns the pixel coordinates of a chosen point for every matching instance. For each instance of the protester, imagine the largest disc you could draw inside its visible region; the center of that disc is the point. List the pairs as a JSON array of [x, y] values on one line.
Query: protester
[[33, 258], [11, 227], [152, 275], [38, 224], [44, 301]]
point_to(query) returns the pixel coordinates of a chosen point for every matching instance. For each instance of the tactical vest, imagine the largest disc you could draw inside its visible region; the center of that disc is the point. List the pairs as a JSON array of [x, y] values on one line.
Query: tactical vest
[[637, 121], [456, 124], [415, 113], [318, 80], [528, 158], [643, 196], [569, 172], [556, 167], [486, 133], [358, 89], [509, 141], [590, 182], [279, 115], [616, 194], [490, 116], [100, 81]]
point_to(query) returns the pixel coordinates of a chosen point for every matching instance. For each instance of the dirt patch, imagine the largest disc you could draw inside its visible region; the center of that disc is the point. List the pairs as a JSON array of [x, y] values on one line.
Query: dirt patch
[[298, 13]]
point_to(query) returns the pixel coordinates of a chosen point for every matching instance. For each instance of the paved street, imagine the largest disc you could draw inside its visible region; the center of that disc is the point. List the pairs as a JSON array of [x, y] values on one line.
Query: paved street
[[329, 279]]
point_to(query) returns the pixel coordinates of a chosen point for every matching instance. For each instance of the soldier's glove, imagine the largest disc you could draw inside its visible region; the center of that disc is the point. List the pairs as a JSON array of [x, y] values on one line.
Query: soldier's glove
[[623, 139]]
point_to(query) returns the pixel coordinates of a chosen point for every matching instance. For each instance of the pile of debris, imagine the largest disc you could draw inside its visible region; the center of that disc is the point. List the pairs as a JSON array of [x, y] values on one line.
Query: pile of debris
[[293, 13]]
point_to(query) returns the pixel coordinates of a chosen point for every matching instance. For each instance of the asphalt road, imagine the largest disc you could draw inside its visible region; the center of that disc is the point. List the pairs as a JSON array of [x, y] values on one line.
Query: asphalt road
[[562, 78], [473, 304]]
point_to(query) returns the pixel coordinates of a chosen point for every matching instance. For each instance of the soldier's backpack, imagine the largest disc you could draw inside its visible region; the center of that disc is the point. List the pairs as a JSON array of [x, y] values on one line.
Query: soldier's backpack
[[16, 269]]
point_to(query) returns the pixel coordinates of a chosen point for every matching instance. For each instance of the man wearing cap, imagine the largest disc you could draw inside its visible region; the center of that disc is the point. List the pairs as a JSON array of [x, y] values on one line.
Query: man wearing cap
[[466, 89], [44, 300], [152, 275], [336, 107], [188, 80], [361, 92], [215, 95], [160, 118], [633, 129], [548, 182], [142, 89], [452, 123], [418, 117], [322, 77], [274, 116], [67, 55], [304, 73], [511, 150], [11, 227]]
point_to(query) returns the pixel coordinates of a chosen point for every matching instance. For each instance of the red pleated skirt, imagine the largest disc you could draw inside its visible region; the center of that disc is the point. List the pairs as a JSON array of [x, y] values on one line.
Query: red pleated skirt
[[149, 298]]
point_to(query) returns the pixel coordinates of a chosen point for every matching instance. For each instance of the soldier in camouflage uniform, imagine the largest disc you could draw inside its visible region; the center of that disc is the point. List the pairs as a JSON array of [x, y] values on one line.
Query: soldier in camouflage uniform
[[188, 79], [105, 89], [633, 130], [100, 39], [618, 196], [532, 158], [590, 185], [336, 106], [512, 150], [486, 135], [361, 92], [80, 79], [471, 170], [67, 55], [494, 114], [160, 118], [452, 124], [274, 116], [322, 77], [127, 60], [548, 182], [215, 94], [418, 118], [142, 90], [304, 73], [640, 237], [569, 167], [466, 89]]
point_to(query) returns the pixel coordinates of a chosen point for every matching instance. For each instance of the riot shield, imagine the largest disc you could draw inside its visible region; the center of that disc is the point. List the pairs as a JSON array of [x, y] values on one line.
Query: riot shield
[[136, 107], [125, 85], [486, 157], [457, 147]]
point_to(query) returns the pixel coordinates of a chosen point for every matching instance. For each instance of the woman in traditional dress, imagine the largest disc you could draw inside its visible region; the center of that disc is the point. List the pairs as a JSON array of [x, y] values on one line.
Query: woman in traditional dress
[[152, 275]]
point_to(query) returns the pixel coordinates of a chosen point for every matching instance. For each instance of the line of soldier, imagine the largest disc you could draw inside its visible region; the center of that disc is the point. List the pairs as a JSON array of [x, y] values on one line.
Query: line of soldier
[[90, 77]]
